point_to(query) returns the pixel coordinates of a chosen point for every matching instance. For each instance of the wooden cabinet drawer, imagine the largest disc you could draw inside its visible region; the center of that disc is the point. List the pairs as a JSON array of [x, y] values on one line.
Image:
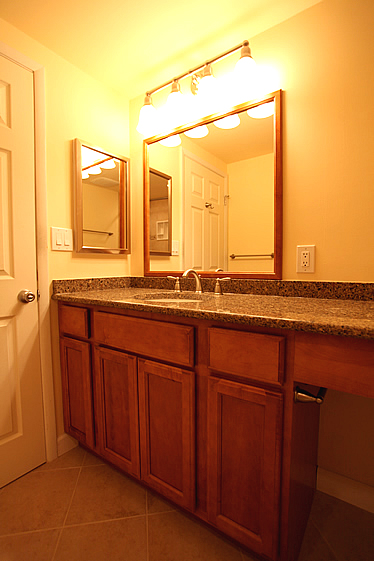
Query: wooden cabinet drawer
[[74, 321], [249, 355], [164, 341], [340, 363]]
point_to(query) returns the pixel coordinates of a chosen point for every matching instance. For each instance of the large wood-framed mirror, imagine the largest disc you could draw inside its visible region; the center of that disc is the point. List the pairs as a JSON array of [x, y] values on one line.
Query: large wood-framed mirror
[[227, 195], [102, 219]]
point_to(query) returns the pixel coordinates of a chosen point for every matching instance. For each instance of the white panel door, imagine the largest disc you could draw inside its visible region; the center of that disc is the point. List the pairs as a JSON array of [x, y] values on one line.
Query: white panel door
[[204, 217], [22, 445]]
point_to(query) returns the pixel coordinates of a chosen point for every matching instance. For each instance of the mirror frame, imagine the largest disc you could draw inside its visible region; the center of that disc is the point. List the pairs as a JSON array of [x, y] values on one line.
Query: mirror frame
[[124, 202], [278, 189], [170, 183]]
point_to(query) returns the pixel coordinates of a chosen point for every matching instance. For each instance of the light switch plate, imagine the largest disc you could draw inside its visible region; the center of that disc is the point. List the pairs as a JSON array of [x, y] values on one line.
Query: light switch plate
[[62, 239], [175, 247]]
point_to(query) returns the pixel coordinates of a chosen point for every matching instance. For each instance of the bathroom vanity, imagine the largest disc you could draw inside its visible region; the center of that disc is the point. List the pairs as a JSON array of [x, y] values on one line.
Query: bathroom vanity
[[195, 398]]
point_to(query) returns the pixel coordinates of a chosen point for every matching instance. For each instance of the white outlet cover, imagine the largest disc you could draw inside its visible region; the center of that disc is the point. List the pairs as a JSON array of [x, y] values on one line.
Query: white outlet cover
[[312, 258]]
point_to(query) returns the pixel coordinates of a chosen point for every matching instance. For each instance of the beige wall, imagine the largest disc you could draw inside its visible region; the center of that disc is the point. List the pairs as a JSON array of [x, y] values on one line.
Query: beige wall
[[251, 204]]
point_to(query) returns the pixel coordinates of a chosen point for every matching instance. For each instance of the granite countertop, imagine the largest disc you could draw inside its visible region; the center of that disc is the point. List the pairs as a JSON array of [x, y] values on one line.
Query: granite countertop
[[353, 318]]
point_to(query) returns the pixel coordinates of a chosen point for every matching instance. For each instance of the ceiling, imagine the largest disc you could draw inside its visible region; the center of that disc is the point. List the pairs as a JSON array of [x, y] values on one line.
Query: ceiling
[[134, 45]]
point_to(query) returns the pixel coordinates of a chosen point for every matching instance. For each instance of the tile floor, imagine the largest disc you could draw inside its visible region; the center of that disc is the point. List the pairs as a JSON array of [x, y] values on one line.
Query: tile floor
[[80, 509]]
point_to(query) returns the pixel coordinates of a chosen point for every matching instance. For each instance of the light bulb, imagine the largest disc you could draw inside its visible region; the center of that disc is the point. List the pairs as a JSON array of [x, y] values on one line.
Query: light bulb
[[85, 174], [175, 109], [229, 122], [245, 75], [261, 111], [207, 92], [198, 132], [147, 118]]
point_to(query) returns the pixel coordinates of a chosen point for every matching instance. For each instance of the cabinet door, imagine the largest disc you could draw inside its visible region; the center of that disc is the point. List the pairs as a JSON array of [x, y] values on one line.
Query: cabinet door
[[77, 390], [244, 444], [167, 430], [116, 398]]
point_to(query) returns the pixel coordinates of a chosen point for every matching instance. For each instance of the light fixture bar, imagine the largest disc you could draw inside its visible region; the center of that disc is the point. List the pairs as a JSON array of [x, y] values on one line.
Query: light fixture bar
[[190, 72]]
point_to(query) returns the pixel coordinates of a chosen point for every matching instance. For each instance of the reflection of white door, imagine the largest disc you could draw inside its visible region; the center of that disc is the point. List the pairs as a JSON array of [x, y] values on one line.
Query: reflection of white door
[[204, 217], [22, 445]]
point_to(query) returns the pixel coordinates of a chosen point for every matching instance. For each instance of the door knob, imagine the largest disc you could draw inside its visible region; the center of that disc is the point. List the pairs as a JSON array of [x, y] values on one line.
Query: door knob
[[26, 296], [209, 205]]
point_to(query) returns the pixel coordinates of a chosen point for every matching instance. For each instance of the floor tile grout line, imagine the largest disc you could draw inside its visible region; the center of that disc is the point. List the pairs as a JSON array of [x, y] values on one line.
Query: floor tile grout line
[[92, 522], [325, 540], [67, 512], [26, 532]]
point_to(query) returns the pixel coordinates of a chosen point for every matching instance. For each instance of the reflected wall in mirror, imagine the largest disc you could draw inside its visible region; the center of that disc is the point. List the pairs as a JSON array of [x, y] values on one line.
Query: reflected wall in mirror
[[160, 230], [101, 200], [227, 194]]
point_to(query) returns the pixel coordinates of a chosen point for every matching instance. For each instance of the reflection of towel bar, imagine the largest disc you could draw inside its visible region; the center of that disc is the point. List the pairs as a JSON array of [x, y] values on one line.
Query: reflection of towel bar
[[98, 232], [271, 255]]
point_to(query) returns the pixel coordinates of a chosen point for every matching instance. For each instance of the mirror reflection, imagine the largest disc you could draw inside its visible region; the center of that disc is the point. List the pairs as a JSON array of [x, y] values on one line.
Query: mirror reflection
[[226, 208], [102, 223], [160, 231]]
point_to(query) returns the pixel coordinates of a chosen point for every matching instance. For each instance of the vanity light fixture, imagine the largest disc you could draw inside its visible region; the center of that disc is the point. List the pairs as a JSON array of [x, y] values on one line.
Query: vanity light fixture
[[204, 87]]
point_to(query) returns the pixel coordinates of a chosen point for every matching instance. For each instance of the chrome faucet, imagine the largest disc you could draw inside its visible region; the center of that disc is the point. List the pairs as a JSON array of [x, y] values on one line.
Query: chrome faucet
[[199, 288]]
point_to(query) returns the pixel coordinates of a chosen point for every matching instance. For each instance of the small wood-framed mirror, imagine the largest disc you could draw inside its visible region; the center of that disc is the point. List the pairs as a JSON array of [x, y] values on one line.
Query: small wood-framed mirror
[[160, 225], [102, 220]]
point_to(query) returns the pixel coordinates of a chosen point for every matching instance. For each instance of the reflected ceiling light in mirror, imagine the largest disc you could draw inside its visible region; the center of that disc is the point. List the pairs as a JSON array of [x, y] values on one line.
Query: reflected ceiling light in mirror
[[171, 141], [108, 164], [94, 170], [261, 111], [85, 174], [229, 122], [197, 132]]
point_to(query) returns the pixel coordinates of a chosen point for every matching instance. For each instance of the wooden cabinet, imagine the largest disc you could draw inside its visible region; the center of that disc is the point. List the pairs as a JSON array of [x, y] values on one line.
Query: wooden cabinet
[[167, 431], [77, 390], [244, 447], [116, 400], [162, 397]]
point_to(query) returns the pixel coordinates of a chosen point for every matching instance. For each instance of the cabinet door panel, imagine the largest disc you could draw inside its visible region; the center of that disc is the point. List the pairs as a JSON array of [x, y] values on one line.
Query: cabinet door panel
[[117, 409], [167, 431], [77, 390], [244, 427]]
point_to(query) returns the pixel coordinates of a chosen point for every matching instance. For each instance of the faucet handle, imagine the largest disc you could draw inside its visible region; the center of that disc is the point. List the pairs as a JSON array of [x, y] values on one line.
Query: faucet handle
[[177, 286], [218, 288]]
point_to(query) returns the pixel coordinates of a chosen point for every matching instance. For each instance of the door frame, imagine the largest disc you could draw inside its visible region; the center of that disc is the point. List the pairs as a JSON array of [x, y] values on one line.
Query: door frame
[[44, 320]]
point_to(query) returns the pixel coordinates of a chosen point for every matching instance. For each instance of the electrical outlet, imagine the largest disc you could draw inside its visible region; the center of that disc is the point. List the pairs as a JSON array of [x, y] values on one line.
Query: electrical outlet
[[305, 258]]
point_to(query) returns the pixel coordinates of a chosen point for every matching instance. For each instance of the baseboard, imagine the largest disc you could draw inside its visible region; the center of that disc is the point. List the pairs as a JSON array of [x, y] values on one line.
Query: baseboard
[[65, 443], [345, 489]]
